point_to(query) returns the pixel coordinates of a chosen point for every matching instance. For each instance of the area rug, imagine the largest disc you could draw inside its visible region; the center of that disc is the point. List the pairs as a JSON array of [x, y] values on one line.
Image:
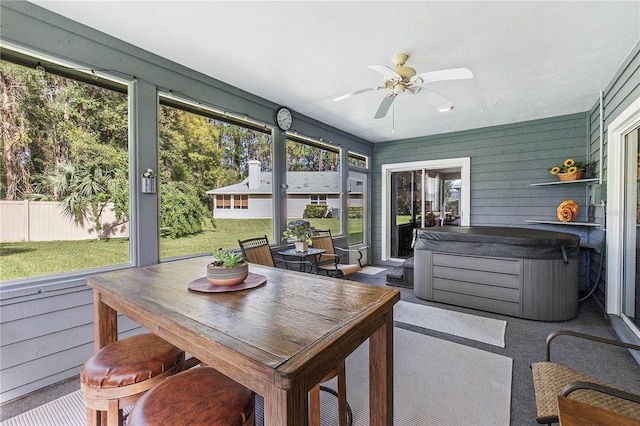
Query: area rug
[[481, 329], [436, 382], [372, 270]]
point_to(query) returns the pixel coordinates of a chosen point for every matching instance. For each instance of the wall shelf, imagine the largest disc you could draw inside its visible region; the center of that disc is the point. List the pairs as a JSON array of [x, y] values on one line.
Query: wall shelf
[[586, 182], [565, 182]]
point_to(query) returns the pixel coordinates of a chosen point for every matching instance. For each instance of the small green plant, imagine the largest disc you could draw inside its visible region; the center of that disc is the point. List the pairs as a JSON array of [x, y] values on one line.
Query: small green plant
[[299, 229], [226, 258]]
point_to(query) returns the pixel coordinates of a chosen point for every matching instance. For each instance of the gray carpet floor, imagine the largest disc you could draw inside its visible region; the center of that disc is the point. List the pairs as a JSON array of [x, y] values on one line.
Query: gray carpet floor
[[524, 344]]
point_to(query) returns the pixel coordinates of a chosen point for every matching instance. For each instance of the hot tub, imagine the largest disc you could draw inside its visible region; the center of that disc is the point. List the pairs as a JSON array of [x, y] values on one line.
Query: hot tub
[[520, 272]]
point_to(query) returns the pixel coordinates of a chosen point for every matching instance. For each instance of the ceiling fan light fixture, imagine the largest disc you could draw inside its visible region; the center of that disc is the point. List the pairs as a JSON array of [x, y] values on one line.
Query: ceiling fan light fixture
[[399, 88], [445, 109]]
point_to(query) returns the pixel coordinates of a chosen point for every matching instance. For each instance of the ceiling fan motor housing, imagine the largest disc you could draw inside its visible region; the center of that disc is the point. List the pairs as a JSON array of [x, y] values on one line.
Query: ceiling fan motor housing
[[405, 72]]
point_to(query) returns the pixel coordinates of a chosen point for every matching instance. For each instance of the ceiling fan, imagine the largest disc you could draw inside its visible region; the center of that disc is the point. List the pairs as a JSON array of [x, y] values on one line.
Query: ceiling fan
[[402, 79]]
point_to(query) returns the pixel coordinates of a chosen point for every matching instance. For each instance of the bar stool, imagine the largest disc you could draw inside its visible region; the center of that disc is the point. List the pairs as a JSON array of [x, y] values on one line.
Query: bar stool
[[344, 411], [117, 375], [200, 396]]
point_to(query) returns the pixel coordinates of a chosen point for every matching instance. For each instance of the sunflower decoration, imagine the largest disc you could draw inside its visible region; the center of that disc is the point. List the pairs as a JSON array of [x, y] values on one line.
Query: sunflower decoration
[[570, 166]]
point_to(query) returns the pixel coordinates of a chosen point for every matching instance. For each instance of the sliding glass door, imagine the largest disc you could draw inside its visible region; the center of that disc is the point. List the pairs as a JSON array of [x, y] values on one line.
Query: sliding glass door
[[419, 195], [623, 217]]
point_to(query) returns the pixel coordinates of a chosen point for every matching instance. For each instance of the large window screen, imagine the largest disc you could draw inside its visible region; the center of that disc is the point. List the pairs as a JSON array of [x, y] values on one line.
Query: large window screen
[[215, 180], [313, 183], [64, 173]]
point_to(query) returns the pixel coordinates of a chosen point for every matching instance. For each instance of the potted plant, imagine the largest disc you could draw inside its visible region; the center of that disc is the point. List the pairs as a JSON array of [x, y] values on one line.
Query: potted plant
[[570, 170], [149, 181], [227, 268], [300, 230]]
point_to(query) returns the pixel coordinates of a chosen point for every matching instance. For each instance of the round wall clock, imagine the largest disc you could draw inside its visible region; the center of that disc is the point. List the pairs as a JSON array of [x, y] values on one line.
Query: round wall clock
[[284, 119]]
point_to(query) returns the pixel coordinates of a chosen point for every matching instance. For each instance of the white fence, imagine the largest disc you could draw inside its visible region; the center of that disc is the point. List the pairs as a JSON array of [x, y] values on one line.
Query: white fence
[[46, 221]]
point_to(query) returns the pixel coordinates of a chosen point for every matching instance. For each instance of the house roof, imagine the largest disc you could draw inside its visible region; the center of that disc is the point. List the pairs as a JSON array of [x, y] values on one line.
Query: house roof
[[299, 183]]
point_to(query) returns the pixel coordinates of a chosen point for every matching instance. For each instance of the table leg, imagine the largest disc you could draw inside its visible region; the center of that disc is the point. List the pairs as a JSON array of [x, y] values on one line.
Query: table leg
[[285, 408], [105, 322], [105, 330], [381, 374]]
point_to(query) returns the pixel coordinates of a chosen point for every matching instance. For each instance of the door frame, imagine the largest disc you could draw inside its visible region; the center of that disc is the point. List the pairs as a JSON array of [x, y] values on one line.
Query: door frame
[[628, 120], [464, 163]]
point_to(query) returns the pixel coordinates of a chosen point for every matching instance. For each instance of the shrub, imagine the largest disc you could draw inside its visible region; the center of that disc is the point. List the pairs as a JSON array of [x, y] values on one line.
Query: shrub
[[181, 212], [355, 212], [316, 211]]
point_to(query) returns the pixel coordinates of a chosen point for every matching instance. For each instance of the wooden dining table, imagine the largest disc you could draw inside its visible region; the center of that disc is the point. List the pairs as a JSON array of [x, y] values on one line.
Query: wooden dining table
[[278, 339]]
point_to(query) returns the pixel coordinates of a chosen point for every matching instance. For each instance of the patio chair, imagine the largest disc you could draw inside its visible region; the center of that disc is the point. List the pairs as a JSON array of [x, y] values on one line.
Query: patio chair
[[330, 262], [551, 380], [257, 250]]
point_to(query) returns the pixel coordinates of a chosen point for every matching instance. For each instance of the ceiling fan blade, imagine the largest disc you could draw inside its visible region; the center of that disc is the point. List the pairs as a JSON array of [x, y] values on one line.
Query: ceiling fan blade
[[440, 102], [357, 92], [385, 105], [386, 71], [442, 75]]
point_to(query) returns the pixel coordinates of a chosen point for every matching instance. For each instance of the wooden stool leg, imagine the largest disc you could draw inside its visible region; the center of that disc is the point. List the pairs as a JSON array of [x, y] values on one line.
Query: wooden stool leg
[[342, 396], [114, 413], [93, 417], [314, 402]]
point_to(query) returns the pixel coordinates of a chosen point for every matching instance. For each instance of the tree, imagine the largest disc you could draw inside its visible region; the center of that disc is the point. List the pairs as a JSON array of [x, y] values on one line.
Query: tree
[[84, 193], [49, 120]]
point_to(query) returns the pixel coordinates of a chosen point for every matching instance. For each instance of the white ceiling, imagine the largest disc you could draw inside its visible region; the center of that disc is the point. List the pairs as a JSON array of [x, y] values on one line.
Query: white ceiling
[[530, 59]]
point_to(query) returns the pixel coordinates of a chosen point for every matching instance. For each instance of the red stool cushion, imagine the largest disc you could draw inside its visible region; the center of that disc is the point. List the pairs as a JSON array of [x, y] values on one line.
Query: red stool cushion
[[200, 396], [128, 361]]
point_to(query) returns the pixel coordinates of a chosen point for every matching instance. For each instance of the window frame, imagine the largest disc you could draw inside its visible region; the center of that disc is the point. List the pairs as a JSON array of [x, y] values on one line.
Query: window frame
[[30, 58]]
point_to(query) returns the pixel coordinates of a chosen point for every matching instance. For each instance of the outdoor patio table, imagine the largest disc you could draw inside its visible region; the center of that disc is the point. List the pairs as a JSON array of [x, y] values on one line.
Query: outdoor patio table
[[311, 252], [278, 339]]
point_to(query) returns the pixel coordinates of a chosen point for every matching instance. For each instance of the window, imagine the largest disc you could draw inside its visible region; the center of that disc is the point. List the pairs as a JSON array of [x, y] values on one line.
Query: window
[[357, 204], [313, 179], [211, 165], [240, 202], [64, 177], [318, 199], [223, 201], [358, 160]]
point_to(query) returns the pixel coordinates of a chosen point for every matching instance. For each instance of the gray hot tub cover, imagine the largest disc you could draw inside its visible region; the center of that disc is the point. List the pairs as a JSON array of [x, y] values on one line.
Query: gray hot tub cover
[[494, 241]]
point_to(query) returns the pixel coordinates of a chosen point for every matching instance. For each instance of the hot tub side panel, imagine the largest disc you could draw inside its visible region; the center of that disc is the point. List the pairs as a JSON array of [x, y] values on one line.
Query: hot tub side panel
[[550, 289]]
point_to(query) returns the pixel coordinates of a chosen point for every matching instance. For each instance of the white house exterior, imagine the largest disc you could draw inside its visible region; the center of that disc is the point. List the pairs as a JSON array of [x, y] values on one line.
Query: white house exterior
[[252, 198]]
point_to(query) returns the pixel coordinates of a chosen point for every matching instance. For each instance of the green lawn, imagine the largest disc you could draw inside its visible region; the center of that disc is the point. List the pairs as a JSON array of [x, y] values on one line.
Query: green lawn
[[30, 259]]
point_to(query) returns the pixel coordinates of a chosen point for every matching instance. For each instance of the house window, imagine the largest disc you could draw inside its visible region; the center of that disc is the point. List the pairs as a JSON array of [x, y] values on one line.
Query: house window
[[64, 183], [207, 161], [223, 201], [318, 199], [240, 202]]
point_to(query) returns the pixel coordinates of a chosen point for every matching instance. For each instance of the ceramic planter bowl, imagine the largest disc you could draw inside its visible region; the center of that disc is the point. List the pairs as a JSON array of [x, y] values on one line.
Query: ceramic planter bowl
[[224, 276]]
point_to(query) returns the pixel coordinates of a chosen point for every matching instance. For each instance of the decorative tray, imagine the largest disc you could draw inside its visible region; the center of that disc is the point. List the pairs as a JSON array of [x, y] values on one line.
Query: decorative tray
[[203, 284]]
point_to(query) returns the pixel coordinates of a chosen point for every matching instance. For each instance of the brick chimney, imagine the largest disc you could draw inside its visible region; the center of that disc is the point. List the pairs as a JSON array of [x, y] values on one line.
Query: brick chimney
[[254, 174]]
